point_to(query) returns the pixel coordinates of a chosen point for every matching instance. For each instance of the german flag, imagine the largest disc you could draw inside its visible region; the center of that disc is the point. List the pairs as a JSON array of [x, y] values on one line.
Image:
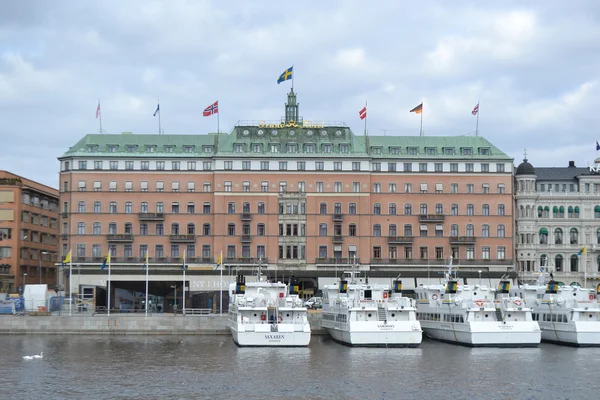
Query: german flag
[[418, 109]]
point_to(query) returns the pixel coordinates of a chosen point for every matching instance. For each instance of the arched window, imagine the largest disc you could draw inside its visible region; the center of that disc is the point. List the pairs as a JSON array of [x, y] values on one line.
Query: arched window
[[470, 230], [97, 228], [323, 230], [522, 211], [470, 209], [598, 236], [597, 212], [558, 236], [543, 236], [576, 212], [454, 209], [174, 228], [485, 209], [598, 263], [501, 231], [97, 207], [377, 230], [191, 229], [574, 236], [230, 229], [392, 209], [454, 230], [570, 212], [554, 212], [485, 230], [323, 208], [407, 209], [574, 263], [423, 209], [558, 263], [546, 212], [561, 212], [527, 211], [540, 212], [439, 209], [81, 228], [377, 209]]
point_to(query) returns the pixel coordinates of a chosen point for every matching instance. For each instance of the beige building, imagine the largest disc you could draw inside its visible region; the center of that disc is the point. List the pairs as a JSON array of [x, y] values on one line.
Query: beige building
[[297, 196], [28, 233]]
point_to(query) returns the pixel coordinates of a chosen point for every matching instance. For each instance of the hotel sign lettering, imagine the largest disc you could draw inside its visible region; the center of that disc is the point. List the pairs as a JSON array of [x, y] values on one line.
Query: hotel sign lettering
[[292, 124]]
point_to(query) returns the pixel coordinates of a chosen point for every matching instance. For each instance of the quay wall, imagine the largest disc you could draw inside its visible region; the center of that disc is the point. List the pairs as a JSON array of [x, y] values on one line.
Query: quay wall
[[119, 324]]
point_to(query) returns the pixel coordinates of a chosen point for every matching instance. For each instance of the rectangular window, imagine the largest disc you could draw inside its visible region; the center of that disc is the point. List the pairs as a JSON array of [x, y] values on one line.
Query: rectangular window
[[407, 167], [191, 186], [256, 148], [207, 165], [376, 187], [392, 167], [129, 165], [470, 188], [485, 167], [392, 187], [356, 187], [246, 165], [114, 165], [227, 186], [160, 165], [245, 186], [82, 164], [376, 166], [175, 186], [438, 167], [128, 186], [422, 167], [264, 186], [469, 167], [356, 166], [283, 165], [337, 187], [228, 165], [238, 147], [319, 187], [175, 165], [319, 165], [97, 164], [264, 165], [274, 148], [453, 167], [301, 165], [499, 167], [337, 166]]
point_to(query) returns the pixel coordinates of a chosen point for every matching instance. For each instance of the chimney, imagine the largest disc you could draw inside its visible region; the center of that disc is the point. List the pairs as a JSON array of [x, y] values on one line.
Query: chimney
[[571, 163]]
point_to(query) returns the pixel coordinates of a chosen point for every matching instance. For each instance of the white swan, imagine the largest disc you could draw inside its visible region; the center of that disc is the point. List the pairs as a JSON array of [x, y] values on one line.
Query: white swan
[[27, 358], [41, 355]]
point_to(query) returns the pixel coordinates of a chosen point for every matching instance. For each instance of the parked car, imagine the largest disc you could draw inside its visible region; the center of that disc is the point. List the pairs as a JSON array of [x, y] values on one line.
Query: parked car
[[314, 302]]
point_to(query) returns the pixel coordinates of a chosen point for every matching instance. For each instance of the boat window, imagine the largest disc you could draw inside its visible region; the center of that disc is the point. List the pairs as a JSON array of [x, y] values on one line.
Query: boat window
[[368, 295]]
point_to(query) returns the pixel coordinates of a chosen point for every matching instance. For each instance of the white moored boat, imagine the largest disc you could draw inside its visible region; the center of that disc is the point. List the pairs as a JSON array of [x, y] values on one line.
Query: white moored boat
[[267, 314], [476, 316], [359, 314], [566, 314]]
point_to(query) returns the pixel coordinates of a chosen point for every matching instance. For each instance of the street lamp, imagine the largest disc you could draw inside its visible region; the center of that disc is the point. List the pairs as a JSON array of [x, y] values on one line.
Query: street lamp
[[23, 283], [41, 254], [479, 277], [174, 299]]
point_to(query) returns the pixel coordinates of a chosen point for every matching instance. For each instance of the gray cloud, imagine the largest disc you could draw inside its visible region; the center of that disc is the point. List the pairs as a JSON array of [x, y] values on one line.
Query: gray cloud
[[534, 67]]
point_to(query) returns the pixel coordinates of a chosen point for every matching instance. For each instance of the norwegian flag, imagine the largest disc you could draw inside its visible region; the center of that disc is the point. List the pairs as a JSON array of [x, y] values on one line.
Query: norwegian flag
[[363, 113], [212, 109], [475, 110]]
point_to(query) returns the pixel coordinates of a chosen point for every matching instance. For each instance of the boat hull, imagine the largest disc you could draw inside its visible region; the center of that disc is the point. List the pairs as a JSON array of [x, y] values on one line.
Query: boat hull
[[404, 336], [271, 338], [581, 334], [485, 334]]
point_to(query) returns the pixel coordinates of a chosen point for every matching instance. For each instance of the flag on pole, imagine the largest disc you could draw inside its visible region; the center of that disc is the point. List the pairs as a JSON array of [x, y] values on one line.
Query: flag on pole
[[106, 261], [157, 110], [145, 266], [597, 146], [286, 75], [219, 260], [98, 110], [67, 259], [475, 110], [212, 109], [582, 251], [183, 264], [363, 113], [418, 109]]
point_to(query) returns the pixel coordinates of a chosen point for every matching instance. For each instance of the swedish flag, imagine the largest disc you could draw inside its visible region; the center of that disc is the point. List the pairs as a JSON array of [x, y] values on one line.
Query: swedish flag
[[105, 262], [582, 251], [287, 75]]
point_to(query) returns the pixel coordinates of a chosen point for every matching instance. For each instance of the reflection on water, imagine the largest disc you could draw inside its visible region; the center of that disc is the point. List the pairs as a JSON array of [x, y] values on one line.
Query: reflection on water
[[212, 367]]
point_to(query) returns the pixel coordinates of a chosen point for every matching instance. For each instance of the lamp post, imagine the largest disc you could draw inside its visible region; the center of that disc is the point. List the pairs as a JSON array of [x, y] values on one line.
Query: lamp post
[[23, 283], [41, 254], [479, 277]]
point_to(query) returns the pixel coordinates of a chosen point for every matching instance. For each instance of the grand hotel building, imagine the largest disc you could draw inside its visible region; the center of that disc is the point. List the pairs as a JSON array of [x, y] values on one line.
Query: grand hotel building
[[297, 196]]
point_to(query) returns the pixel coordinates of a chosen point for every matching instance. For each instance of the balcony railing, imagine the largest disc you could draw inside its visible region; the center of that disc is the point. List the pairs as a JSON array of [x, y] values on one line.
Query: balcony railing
[[339, 261], [338, 239], [64, 237], [338, 217], [65, 215], [140, 260], [432, 218], [246, 238], [401, 239], [151, 216], [246, 217], [123, 238], [438, 262], [188, 238], [462, 239], [244, 260]]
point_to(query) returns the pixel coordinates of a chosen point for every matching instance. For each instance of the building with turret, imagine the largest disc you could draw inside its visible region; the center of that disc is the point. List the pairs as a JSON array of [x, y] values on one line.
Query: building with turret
[[299, 196], [558, 221]]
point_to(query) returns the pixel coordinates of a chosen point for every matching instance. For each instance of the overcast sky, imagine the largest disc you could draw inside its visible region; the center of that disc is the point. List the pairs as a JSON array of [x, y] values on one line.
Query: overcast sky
[[534, 66]]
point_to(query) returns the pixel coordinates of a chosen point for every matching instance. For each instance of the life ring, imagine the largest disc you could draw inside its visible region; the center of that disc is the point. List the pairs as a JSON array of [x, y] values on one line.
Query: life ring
[[385, 295], [479, 302], [434, 297], [591, 297], [518, 302], [280, 319]]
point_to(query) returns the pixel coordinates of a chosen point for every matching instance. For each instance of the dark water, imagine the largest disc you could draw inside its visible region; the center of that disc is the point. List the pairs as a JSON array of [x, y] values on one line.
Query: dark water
[[212, 367]]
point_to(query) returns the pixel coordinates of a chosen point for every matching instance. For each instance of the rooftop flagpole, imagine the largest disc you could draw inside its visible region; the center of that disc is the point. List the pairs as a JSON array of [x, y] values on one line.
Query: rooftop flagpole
[[99, 115], [366, 116], [422, 134], [158, 112]]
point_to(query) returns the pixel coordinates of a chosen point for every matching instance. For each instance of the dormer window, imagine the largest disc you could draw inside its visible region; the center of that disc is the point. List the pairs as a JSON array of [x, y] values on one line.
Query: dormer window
[[256, 148], [395, 150], [413, 151], [292, 148], [207, 149], [188, 149], [376, 150], [169, 149], [131, 148], [309, 148], [113, 148], [467, 151], [344, 148], [449, 151], [484, 151], [91, 148], [274, 147], [430, 151], [327, 148], [238, 147], [150, 149]]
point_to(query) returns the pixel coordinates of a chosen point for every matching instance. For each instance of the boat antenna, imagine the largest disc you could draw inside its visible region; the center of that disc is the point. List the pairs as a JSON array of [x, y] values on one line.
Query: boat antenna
[[449, 273]]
